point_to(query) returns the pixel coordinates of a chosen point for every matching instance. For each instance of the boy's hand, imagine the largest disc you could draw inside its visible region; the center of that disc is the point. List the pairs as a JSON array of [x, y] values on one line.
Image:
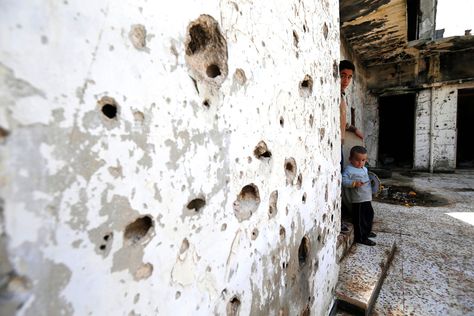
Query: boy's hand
[[357, 184]]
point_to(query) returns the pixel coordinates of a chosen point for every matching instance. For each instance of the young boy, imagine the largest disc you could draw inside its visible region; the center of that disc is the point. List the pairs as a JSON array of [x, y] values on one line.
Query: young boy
[[355, 179]]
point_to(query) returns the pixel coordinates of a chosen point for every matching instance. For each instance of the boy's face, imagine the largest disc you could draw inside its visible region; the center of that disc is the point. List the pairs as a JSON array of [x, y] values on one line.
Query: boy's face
[[358, 160], [346, 78]]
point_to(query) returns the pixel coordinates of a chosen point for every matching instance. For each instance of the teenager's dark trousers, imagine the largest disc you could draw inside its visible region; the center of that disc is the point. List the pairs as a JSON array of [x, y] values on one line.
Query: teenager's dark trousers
[[362, 218]]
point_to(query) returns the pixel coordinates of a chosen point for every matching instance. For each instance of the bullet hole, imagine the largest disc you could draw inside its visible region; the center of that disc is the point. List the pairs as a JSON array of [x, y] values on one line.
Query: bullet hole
[[290, 170], [213, 71], [325, 30], [206, 103], [324, 217], [311, 120], [199, 39], [135, 231], [184, 246], [138, 116], [303, 251], [233, 307], [249, 159], [108, 107], [282, 121], [295, 39], [306, 86], [261, 151], [335, 70], [247, 202], [137, 36], [332, 218], [299, 181], [240, 76], [177, 295], [102, 247], [306, 311], [224, 227], [4, 133], [282, 233], [316, 265], [305, 28], [272, 208], [206, 53], [195, 84], [107, 237], [143, 272], [254, 234], [319, 237], [196, 205], [326, 194], [303, 198]]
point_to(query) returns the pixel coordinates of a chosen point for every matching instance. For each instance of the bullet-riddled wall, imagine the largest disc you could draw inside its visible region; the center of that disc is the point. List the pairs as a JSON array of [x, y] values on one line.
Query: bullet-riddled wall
[[169, 158]]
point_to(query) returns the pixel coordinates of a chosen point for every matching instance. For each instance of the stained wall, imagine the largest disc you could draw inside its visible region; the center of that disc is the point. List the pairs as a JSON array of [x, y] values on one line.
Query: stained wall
[[163, 158]]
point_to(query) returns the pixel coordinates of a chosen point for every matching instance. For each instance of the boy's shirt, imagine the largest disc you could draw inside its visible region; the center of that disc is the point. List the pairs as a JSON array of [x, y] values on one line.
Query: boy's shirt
[[351, 174]]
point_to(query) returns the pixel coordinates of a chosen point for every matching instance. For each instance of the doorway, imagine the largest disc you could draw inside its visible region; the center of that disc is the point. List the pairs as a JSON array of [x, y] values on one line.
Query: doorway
[[465, 117], [396, 131]]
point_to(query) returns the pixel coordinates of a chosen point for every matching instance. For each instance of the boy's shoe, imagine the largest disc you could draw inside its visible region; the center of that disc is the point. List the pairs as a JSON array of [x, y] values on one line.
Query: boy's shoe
[[368, 242], [372, 234]]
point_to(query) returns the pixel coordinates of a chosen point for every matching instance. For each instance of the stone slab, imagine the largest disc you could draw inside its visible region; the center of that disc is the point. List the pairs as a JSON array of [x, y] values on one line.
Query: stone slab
[[344, 242], [362, 273]]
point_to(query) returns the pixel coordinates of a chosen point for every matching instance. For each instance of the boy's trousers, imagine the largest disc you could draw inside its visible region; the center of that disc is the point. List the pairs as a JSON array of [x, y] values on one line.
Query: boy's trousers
[[362, 218]]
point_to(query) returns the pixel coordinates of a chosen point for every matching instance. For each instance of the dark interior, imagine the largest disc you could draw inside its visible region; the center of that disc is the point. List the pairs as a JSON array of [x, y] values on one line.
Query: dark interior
[[396, 131], [413, 12], [465, 143]]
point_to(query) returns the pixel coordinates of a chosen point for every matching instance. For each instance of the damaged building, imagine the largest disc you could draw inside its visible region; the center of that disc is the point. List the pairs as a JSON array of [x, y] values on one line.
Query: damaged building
[[159, 160], [414, 91]]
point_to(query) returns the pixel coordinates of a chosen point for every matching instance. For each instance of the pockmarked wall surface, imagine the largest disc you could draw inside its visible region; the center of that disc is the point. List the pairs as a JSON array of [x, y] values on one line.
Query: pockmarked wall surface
[[169, 158]]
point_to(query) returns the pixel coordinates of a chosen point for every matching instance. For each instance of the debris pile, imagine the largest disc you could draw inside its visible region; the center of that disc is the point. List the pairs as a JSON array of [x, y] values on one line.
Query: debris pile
[[407, 196]]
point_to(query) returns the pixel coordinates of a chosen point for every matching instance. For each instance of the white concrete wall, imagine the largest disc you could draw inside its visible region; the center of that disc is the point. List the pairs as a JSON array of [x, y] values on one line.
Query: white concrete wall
[[444, 128], [74, 182], [427, 19], [444, 141], [371, 128], [421, 155]]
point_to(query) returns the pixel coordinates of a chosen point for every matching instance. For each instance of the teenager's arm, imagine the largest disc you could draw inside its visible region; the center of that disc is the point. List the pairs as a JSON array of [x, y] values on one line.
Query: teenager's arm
[[355, 130]]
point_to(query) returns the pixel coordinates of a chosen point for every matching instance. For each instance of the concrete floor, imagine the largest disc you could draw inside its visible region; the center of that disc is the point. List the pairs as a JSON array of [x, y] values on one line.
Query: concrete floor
[[433, 269]]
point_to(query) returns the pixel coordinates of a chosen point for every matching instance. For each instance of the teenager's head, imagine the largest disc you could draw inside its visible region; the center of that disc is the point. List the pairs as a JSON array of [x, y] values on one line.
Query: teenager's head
[[358, 156], [346, 71]]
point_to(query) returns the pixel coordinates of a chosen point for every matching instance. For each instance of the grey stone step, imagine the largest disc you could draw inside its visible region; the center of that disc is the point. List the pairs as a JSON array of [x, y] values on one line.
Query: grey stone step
[[362, 272], [344, 242]]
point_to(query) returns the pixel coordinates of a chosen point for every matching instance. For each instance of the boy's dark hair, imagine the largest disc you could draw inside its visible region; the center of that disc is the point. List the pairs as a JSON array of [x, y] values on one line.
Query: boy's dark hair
[[346, 64], [357, 150]]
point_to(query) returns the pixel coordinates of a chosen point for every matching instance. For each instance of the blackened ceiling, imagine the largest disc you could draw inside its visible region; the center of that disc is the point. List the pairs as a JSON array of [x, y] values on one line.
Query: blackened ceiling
[[376, 30]]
